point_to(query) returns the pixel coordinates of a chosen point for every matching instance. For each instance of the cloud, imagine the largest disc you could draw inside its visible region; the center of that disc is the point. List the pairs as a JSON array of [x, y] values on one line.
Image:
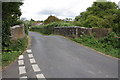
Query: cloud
[[48, 12], [41, 9], [58, 12], [119, 4]]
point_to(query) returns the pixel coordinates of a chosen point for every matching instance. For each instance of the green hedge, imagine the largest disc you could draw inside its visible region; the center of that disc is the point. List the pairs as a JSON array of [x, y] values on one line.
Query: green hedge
[[48, 28]]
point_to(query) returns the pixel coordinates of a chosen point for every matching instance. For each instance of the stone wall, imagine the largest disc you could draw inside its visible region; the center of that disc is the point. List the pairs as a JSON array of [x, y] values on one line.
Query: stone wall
[[65, 31], [17, 32], [76, 31], [101, 32]]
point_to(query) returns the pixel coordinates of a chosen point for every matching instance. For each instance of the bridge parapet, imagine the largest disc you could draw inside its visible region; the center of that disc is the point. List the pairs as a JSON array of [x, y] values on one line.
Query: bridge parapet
[[17, 32], [76, 31]]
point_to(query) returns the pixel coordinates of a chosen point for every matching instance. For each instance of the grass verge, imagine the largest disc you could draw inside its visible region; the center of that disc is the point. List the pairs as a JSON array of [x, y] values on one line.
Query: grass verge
[[106, 47], [11, 53]]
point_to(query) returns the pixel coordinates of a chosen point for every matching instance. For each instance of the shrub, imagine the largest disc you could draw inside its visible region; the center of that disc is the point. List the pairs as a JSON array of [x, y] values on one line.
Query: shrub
[[111, 39], [48, 28], [10, 16], [10, 53], [19, 45], [108, 45]]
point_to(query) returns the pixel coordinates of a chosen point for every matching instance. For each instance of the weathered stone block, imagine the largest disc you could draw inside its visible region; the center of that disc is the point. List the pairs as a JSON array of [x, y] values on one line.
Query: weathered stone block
[[17, 32]]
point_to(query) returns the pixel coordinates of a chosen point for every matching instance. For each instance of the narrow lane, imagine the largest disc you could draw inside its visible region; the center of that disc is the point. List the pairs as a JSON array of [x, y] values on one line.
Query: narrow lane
[[62, 58], [57, 57]]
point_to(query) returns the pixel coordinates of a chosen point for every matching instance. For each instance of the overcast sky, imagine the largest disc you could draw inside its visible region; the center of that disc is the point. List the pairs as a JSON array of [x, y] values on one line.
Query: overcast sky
[[41, 9]]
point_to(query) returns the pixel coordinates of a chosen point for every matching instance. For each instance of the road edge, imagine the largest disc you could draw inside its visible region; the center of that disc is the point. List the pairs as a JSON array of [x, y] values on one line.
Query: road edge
[[85, 46]]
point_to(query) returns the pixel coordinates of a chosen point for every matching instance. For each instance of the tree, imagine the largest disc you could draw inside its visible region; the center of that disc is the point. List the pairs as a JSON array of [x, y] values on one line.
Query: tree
[[51, 19], [101, 14], [32, 20], [10, 17], [68, 19]]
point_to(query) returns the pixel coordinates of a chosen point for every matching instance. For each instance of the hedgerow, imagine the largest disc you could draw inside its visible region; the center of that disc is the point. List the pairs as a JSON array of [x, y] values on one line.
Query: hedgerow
[[48, 28]]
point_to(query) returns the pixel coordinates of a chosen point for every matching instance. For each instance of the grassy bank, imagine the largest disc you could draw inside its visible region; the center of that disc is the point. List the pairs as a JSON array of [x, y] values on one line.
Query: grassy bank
[[108, 45], [12, 52]]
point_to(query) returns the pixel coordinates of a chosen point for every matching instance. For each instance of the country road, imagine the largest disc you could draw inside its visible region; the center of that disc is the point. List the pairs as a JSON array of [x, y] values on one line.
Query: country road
[[58, 57]]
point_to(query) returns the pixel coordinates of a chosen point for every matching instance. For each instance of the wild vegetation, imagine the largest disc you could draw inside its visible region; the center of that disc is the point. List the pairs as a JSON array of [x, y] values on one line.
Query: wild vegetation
[[48, 28], [102, 15], [109, 45], [99, 15], [14, 50], [11, 17]]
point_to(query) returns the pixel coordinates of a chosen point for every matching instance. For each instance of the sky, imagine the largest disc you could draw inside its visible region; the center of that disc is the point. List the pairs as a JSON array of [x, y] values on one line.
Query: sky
[[41, 9]]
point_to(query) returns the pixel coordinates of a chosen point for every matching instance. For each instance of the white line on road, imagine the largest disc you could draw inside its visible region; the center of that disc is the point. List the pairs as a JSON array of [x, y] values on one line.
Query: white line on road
[[35, 67], [29, 51], [23, 77], [22, 70], [30, 55], [32, 60], [20, 62], [40, 76], [21, 57], [91, 72]]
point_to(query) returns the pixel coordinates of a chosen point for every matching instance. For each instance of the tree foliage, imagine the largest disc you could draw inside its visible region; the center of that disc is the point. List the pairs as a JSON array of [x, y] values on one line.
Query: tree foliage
[[10, 17], [51, 19], [101, 14]]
